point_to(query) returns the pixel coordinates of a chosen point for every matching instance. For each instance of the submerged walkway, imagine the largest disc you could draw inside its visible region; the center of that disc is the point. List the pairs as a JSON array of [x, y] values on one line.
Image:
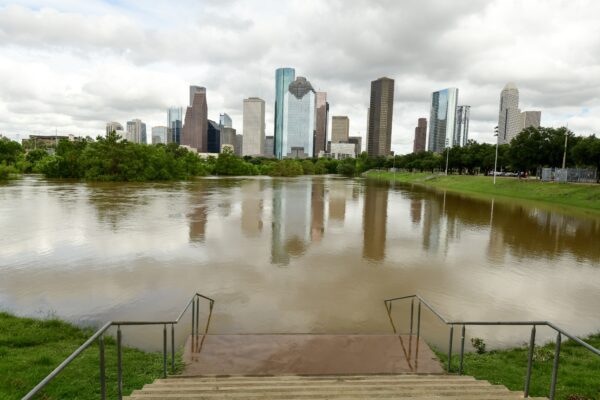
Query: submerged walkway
[[309, 354]]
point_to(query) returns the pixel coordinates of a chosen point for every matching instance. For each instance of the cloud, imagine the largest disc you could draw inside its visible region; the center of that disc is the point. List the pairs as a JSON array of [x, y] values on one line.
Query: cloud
[[75, 65]]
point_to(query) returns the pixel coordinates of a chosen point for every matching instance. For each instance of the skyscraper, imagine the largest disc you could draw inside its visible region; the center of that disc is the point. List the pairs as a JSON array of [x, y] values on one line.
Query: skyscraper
[[299, 119], [269, 149], [254, 127], [195, 127], [510, 114], [114, 127], [462, 126], [340, 129], [442, 119], [175, 123], [227, 137], [379, 135], [320, 142], [136, 131], [283, 78], [213, 137], [225, 120], [357, 140], [159, 134], [420, 136], [530, 118]]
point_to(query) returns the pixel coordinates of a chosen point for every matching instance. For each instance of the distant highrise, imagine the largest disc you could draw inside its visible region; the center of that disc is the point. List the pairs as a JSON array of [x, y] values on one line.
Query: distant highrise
[[114, 127], [283, 78], [227, 138], [461, 135], [442, 119], [213, 137], [195, 126], [175, 124], [420, 136], [379, 135], [136, 131], [357, 140], [269, 149], [298, 119], [510, 114], [225, 120], [320, 142], [340, 129], [530, 119], [253, 127], [159, 134], [239, 144]]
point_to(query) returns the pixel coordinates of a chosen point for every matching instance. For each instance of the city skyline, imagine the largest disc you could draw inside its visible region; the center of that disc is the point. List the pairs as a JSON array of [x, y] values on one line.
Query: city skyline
[[72, 78]]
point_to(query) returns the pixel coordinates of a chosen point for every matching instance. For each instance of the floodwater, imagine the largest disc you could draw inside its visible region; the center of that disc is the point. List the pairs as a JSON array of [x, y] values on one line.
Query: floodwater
[[303, 255]]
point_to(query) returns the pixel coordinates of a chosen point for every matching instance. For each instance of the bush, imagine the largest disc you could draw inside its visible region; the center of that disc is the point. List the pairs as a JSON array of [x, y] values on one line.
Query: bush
[[347, 167], [308, 168], [287, 167], [7, 171]]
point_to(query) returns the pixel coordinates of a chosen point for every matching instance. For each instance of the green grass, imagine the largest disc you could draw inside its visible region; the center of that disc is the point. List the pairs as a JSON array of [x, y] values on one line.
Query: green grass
[[31, 348], [582, 196], [578, 372]]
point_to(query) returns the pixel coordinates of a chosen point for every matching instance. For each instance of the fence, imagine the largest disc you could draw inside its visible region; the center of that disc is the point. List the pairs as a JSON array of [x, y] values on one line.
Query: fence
[[563, 175]]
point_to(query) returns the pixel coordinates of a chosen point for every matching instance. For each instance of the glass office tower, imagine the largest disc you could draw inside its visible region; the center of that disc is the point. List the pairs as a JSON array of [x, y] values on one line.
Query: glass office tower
[[299, 119], [283, 78], [174, 123], [442, 120]]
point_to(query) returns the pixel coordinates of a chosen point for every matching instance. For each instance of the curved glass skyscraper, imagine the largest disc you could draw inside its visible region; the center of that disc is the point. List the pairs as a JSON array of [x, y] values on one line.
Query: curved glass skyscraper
[[442, 120], [283, 78]]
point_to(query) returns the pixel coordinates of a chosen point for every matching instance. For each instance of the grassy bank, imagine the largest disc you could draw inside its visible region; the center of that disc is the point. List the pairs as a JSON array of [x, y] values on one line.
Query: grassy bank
[[582, 196], [30, 349], [578, 372]]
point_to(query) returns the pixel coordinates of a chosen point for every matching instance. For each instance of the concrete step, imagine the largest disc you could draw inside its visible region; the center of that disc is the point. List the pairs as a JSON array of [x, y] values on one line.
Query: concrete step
[[409, 386]]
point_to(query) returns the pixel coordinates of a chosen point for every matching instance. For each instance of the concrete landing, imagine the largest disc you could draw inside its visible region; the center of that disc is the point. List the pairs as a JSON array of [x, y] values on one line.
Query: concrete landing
[[309, 354]]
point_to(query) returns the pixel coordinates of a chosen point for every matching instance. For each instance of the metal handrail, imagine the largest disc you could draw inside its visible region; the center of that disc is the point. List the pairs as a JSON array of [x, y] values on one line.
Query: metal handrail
[[99, 335], [533, 324]]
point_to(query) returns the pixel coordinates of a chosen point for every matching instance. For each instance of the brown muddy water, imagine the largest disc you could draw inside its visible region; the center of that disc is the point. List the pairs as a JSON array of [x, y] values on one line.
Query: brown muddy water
[[303, 255]]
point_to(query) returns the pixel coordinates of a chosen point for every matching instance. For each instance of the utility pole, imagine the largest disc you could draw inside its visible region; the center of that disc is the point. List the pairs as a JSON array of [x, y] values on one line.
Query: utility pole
[[447, 156], [565, 152]]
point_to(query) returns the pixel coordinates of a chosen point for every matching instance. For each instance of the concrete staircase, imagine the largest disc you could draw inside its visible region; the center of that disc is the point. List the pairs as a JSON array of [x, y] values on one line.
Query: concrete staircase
[[289, 387]]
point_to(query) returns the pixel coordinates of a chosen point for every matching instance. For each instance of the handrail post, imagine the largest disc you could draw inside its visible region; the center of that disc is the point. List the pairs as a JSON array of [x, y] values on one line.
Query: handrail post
[[164, 350], [412, 309], [197, 320], [450, 347], [555, 367], [418, 321], [193, 322], [102, 369], [172, 348], [462, 350], [529, 362], [119, 365]]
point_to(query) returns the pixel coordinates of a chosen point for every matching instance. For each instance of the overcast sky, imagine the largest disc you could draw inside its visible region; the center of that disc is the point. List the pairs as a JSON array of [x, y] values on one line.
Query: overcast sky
[[74, 65]]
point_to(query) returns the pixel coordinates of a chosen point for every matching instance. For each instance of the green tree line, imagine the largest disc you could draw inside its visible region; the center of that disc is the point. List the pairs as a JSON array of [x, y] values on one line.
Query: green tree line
[[112, 159]]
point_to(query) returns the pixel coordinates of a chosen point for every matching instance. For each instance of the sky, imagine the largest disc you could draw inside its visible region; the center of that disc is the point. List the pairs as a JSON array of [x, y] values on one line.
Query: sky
[[70, 66]]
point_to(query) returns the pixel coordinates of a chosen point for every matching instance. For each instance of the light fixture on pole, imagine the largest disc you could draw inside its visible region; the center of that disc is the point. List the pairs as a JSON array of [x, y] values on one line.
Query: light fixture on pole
[[496, 159]]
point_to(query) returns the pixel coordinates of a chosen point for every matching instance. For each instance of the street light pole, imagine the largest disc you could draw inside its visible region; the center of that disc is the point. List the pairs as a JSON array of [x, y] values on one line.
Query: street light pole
[[496, 159], [447, 156]]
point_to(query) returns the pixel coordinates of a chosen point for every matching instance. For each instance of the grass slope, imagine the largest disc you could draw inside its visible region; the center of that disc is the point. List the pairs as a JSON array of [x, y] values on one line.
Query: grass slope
[[582, 196], [578, 371], [31, 348]]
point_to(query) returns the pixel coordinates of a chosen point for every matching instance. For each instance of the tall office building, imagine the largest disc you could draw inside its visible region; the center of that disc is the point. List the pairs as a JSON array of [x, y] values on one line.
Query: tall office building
[[227, 138], [442, 119], [462, 126], [253, 127], [269, 149], [195, 126], [420, 136], [357, 141], [225, 120], [136, 131], [299, 119], [340, 129], [379, 135], [283, 78], [114, 127], [510, 114], [320, 142], [213, 137], [239, 143], [530, 119], [175, 124], [159, 134]]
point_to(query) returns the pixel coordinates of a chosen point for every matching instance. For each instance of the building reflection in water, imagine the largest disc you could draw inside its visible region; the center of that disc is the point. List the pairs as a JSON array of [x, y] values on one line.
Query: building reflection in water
[[291, 222], [317, 226], [252, 207], [198, 211], [416, 208], [374, 221], [337, 201]]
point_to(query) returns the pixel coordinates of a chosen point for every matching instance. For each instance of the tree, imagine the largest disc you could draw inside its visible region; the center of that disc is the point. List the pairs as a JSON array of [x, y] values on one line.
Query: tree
[[347, 167], [9, 151]]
